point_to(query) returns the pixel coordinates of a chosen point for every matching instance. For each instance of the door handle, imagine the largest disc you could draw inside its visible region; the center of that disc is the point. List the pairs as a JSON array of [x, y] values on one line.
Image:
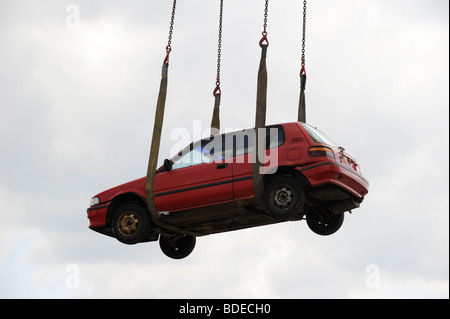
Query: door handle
[[221, 166]]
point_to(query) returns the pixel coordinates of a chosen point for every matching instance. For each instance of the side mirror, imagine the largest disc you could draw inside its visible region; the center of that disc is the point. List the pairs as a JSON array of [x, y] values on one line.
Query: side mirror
[[168, 164]]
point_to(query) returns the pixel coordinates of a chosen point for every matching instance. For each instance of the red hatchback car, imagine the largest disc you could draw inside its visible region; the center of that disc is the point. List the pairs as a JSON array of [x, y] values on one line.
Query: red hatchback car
[[208, 188]]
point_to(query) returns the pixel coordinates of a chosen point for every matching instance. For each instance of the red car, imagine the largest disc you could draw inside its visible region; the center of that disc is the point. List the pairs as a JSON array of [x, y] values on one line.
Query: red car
[[208, 188]]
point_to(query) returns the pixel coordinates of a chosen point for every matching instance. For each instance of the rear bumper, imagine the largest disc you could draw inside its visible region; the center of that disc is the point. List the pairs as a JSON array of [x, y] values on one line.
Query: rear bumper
[[97, 215], [319, 174]]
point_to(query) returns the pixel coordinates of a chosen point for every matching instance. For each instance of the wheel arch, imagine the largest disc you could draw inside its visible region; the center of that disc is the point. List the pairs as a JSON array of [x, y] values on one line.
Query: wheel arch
[[122, 199], [287, 171]]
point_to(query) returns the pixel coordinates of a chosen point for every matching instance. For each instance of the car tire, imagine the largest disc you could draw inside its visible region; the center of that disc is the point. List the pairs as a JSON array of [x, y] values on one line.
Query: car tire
[[284, 198], [131, 223], [177, 247], [327, 227]]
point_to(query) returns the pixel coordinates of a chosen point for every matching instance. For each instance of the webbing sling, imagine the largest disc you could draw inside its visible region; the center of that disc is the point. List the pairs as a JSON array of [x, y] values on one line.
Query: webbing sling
[[302, 104], [156, 140], [260, 118], [215, 122], [153, 158]]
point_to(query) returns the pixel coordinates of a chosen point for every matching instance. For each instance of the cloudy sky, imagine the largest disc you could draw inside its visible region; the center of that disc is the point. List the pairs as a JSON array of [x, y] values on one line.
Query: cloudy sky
[[78, 88]]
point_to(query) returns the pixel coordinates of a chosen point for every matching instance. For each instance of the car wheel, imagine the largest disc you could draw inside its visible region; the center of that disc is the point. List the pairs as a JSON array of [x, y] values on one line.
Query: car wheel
[[284, 197], [131, 223], [324, 227], [177, 247]]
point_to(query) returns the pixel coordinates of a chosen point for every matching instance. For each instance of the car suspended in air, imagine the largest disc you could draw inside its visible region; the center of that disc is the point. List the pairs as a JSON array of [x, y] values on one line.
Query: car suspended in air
[[208, 188]]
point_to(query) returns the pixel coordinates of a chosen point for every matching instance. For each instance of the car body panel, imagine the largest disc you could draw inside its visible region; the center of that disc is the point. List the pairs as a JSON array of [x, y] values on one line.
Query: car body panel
[[192, 186]]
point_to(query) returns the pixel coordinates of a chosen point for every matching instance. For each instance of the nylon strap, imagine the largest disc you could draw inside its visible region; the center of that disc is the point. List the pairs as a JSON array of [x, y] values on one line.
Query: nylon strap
[[260, 123], [215, 122], [302, 103], [154, 150], [260, 118], [153, 158]]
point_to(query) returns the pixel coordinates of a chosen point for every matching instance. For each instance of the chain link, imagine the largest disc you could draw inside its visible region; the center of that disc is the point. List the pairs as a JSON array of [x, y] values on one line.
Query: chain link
[[219, 51], [266, 10], [264, 33], [219, 44], [303, 37], [169, 42]]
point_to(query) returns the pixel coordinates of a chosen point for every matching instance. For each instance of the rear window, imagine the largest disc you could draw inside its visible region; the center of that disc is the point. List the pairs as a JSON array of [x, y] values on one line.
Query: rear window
[[318, 136]]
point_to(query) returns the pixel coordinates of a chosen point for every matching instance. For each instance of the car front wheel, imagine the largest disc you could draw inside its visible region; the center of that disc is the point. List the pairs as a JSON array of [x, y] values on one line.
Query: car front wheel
[[131, 223]]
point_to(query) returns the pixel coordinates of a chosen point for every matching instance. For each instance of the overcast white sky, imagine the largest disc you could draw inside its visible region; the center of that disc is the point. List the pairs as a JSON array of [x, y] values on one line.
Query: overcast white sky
[[77, 101]]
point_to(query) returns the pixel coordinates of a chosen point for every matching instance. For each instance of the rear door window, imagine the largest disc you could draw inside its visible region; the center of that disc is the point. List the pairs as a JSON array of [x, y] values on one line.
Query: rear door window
[[205, 151], [220, 147], [275, 137]]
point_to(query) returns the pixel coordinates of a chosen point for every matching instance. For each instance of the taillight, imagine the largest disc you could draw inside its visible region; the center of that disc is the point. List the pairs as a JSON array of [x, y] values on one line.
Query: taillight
[[320, 151]]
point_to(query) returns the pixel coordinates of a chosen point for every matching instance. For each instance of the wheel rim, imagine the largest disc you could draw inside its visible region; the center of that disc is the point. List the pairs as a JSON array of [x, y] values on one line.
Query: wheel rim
[[283, 197], [128, 223]]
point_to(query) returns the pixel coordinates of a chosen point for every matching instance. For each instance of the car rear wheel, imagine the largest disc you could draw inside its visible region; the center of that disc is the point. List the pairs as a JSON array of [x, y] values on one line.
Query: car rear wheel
[[284, 197], [177, 247], [324, 226], [131, 223]]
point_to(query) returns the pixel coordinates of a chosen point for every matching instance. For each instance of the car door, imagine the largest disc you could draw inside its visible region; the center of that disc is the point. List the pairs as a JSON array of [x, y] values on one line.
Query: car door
[[243, 165], [200, 175], [245, 152]]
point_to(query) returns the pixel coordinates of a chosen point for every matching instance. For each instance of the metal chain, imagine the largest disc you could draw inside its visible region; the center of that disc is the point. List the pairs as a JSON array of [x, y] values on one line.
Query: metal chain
[[169, 42], [264, 33], [303, 71], [219, 50], [266, 10]]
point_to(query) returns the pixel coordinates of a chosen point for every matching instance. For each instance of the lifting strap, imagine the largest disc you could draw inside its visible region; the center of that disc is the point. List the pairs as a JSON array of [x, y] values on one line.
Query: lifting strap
[[156, 139], [215, 122], [302, 104], [260, 119]]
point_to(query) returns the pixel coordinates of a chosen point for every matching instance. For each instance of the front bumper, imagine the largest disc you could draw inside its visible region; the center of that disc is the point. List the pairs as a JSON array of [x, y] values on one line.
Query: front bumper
[[97, 215]]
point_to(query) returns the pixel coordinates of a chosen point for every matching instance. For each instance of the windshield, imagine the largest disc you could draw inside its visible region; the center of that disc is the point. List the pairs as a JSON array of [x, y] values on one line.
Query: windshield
[[318, 136]]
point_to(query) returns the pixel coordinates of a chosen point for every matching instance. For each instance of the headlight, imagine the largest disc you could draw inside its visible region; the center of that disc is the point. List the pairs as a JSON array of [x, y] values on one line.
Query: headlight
[[95, 201]]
